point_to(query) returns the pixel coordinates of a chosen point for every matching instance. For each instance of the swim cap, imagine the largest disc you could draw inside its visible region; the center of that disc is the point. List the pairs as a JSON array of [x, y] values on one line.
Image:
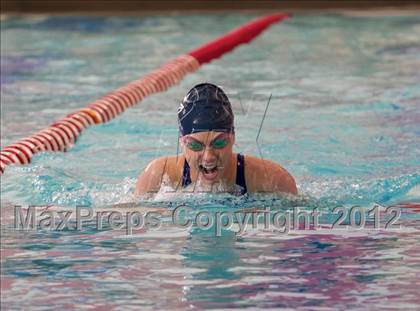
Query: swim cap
[[205, 108]]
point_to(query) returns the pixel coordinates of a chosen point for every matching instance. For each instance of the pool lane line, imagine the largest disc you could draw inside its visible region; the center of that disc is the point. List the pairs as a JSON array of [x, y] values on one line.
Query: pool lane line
[[413, 206], [63, 134]]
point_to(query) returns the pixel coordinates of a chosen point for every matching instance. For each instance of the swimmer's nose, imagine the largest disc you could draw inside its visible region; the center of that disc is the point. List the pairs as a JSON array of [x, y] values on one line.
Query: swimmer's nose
[[209, 156]]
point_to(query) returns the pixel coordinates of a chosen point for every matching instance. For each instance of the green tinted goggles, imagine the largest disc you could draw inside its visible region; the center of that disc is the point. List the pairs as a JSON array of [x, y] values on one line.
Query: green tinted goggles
[[218, 143]]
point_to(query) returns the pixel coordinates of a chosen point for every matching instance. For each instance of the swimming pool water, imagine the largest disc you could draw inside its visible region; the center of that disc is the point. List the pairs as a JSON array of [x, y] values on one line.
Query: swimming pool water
[[343, 119]]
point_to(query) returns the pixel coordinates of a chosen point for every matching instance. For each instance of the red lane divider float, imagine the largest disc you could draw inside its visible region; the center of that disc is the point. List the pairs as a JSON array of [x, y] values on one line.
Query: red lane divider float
[[243, 34], [62, 134], [413, 206]]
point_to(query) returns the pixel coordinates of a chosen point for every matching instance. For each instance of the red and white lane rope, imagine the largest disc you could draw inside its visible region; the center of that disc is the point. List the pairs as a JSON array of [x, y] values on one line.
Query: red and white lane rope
[[62, 134]]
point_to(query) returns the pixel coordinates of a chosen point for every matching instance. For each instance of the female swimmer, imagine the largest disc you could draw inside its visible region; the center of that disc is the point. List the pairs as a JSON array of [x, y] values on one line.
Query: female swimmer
[[208, 163]]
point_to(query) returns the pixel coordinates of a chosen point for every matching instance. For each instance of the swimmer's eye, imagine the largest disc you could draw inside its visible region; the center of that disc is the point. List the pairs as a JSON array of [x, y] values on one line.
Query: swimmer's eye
[[220, 143], [195, 146]]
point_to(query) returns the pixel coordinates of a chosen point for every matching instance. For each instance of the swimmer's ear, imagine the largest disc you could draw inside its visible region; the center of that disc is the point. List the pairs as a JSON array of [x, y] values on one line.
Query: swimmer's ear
[[181, 142], [233, 139]]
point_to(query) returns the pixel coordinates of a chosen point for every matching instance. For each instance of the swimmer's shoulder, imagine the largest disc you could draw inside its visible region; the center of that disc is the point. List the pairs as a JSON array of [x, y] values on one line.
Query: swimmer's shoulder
[[150, 179], [264, 175]]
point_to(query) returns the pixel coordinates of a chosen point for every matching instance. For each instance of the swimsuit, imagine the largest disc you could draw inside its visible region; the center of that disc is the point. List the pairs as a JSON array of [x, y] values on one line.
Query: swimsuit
[[240, 174]]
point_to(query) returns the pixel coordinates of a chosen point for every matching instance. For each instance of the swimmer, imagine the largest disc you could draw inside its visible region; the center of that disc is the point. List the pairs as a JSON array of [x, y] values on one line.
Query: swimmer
[[207, 162]]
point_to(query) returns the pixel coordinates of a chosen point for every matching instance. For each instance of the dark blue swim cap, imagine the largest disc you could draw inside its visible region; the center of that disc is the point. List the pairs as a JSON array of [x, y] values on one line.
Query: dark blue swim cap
[[205, 108]]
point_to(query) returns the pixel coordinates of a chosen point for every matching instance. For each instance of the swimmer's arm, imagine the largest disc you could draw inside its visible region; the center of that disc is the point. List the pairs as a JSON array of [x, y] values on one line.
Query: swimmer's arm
[[282, 181], [149, 181], [268, 176]]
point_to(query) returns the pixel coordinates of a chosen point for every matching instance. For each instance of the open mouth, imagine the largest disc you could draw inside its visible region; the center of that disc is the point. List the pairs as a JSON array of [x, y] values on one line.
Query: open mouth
[[209, 172], [208, 169]]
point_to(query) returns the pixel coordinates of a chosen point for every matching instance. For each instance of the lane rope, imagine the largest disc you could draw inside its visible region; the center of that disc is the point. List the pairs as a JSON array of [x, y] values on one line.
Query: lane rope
[[63, 134]]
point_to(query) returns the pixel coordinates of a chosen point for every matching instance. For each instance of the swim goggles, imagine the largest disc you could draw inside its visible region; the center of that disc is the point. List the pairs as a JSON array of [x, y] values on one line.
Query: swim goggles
[[219, 142]]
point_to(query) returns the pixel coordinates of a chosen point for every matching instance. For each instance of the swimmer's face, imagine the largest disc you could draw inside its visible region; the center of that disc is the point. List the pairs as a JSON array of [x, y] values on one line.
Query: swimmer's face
[[209, 153]]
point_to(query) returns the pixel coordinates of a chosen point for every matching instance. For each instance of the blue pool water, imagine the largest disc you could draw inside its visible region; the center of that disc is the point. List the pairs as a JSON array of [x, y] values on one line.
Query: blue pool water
[[343, 119]]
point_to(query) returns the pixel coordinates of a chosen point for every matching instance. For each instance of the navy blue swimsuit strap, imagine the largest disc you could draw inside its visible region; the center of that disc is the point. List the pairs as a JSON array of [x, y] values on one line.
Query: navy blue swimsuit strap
[[240, 173], [186, 178]]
